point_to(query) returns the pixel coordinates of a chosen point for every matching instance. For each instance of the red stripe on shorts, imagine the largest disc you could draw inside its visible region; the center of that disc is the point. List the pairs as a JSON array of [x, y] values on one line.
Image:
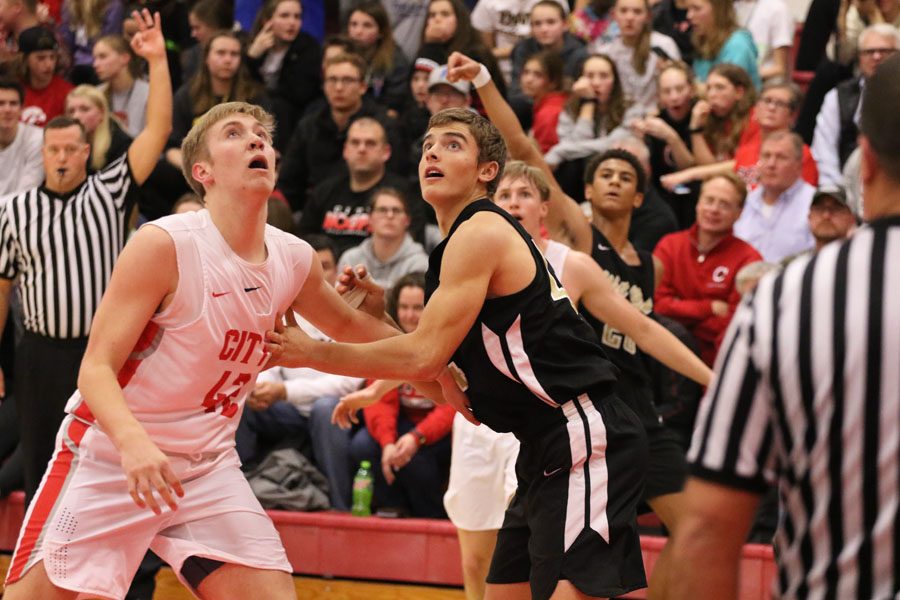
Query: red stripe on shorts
[[147, 340], [46, 499]]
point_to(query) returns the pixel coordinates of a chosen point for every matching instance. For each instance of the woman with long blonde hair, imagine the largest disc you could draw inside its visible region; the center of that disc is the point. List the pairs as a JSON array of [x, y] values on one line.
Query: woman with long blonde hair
[[718, 39], [87, 104]]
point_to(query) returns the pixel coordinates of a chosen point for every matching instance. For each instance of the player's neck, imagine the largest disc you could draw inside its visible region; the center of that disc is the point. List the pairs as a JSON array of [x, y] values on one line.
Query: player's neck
[[613, 227], [447, 211], [242, 222]]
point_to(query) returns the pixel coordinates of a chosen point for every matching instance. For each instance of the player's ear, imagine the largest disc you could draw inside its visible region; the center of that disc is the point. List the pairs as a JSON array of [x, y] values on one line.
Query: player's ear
[[201, 173], [488, 171], [638, 199]]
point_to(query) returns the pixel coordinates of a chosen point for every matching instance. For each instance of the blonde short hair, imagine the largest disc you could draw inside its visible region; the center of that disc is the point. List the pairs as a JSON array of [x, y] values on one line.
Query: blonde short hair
[[516, 169], [194, 147]]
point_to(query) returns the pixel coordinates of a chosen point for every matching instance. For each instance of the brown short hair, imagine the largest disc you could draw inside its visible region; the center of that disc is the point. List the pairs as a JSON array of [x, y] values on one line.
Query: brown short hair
[[736, 182], [388, 191], [796, 141], [491, 147], [517, 169], [194, 147], [354, 59], [64, 122]]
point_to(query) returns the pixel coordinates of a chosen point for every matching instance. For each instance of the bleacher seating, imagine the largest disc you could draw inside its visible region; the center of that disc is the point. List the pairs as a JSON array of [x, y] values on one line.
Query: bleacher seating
[[332, 544]]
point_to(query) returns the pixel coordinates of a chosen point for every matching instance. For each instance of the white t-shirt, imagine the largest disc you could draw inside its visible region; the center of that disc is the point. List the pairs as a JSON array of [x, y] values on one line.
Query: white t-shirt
[[509, 20], [21, 164], [407, 20], [131, 106], [769, 22]]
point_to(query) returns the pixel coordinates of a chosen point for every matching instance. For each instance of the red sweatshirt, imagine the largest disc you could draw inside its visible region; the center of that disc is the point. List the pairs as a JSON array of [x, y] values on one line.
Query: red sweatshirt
[[432, 421], [691, 282], [546, 116]]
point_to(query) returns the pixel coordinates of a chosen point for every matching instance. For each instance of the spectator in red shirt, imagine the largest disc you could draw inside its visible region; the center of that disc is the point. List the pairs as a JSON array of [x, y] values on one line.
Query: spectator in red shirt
[[542, 82], [406, 433], [45, 91], [699, 265]]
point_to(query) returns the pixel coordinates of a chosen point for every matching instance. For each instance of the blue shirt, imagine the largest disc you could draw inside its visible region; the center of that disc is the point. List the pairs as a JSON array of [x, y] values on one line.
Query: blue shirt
[[785, 231], [739, 50]]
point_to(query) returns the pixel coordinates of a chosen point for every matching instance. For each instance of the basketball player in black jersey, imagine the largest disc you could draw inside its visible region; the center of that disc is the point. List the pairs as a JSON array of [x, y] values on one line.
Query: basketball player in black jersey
[[529, 364]]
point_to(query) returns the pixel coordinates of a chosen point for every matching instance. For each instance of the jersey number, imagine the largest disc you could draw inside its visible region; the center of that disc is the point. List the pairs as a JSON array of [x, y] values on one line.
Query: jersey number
[[216, 397], [614, 339]]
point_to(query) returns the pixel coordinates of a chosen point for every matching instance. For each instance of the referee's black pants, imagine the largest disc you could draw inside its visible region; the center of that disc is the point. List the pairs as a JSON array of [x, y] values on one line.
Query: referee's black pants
[[46, 375]]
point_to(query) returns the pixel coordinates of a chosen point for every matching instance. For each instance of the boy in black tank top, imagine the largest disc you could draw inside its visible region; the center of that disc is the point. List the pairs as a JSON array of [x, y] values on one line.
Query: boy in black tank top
[[529, 364]]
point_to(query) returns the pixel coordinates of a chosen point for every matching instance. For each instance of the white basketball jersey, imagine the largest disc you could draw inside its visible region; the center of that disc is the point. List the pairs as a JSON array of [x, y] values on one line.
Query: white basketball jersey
[[556, 254], [195, 362]]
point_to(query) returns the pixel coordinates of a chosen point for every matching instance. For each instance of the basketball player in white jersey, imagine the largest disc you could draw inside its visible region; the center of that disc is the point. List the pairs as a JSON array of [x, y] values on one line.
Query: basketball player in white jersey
[[175, 347]]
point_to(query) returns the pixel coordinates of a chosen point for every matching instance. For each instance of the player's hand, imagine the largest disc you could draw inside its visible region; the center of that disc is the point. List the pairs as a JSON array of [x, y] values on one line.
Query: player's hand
[[147, 470], [387, 463], [455, 397], [357, 280], [345, 413], [462, 68], [148, 42], [288, 344]]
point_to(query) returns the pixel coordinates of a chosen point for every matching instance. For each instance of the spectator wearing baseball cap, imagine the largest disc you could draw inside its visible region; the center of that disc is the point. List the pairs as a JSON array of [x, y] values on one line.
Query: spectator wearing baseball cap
[[45, 91], [830, 217]]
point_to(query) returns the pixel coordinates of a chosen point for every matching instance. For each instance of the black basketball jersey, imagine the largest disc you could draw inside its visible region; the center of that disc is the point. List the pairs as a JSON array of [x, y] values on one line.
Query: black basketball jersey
[[635, 284], [527, 353]]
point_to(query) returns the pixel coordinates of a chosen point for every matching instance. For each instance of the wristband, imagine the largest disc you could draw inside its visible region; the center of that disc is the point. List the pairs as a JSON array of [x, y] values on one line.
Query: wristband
[[482, 78], [584, 101], [694, 130], [420, 437]]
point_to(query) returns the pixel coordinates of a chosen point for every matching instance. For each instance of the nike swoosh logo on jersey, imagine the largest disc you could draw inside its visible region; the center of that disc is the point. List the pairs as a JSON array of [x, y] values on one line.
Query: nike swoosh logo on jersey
[[602, 247], [218, 294], [252, 289], [553, 472]]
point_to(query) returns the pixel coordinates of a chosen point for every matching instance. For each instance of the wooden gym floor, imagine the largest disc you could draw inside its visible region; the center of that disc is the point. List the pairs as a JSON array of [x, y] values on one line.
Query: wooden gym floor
[[308, 588]]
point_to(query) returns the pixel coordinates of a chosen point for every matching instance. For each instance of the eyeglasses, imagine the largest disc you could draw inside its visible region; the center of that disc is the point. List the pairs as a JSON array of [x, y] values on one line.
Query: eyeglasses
[[869, 52], [388, 211], [333, 81], [768, 101]]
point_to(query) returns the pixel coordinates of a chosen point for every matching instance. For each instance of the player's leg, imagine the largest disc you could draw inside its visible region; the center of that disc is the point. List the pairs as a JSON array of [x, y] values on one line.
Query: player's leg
[[507, 591], [566, 591], [476, 549], [236, 581], [35, 584], [669, 508]]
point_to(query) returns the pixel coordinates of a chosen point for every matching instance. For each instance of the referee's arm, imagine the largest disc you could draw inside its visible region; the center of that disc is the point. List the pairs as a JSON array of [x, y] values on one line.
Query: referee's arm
[[730, 453], [145, 150]]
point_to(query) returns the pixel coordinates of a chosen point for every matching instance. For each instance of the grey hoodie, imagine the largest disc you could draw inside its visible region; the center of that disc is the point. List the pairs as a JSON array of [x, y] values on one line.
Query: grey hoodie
[[410, 257]]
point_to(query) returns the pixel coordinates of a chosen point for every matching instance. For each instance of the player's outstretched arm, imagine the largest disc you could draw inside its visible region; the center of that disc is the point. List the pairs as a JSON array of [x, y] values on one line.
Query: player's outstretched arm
[[149, 44], [565, 221], [470, 260], [606, 304], [136, 291]]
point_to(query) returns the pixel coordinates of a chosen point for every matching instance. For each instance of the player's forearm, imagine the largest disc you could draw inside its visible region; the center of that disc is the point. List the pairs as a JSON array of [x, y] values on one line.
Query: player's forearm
[[103, 395], [658, 342], [159, 103]]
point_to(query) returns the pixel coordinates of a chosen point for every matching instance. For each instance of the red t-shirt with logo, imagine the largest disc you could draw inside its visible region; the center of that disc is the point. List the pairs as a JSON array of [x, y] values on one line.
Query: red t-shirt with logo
[[691, 281], [42, 105]]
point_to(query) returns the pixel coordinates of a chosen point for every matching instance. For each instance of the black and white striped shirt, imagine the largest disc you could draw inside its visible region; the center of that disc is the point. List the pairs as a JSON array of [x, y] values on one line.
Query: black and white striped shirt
[[62, 249], [808, 396]]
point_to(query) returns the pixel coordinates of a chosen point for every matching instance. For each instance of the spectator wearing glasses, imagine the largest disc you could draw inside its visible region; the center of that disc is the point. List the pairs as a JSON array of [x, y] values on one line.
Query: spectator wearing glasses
[[775, 110], [390, 252], [339, 206], [314, 152], [837, 123]]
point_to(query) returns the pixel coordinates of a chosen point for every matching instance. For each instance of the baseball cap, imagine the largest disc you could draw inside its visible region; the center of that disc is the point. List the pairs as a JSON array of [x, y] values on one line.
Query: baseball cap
[[35, 39], [425, 64], [439, 77], [834, 191]]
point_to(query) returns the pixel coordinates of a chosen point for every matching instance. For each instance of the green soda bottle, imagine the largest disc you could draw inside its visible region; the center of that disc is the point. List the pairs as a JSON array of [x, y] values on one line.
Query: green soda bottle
[[362, 491]]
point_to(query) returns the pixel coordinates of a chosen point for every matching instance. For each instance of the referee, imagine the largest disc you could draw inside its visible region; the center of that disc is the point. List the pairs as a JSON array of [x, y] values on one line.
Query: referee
[[808, 398], [59, 241]]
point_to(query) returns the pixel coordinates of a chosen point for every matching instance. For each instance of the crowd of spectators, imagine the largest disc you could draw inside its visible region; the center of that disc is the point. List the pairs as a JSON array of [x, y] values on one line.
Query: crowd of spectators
[[741, 165]]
